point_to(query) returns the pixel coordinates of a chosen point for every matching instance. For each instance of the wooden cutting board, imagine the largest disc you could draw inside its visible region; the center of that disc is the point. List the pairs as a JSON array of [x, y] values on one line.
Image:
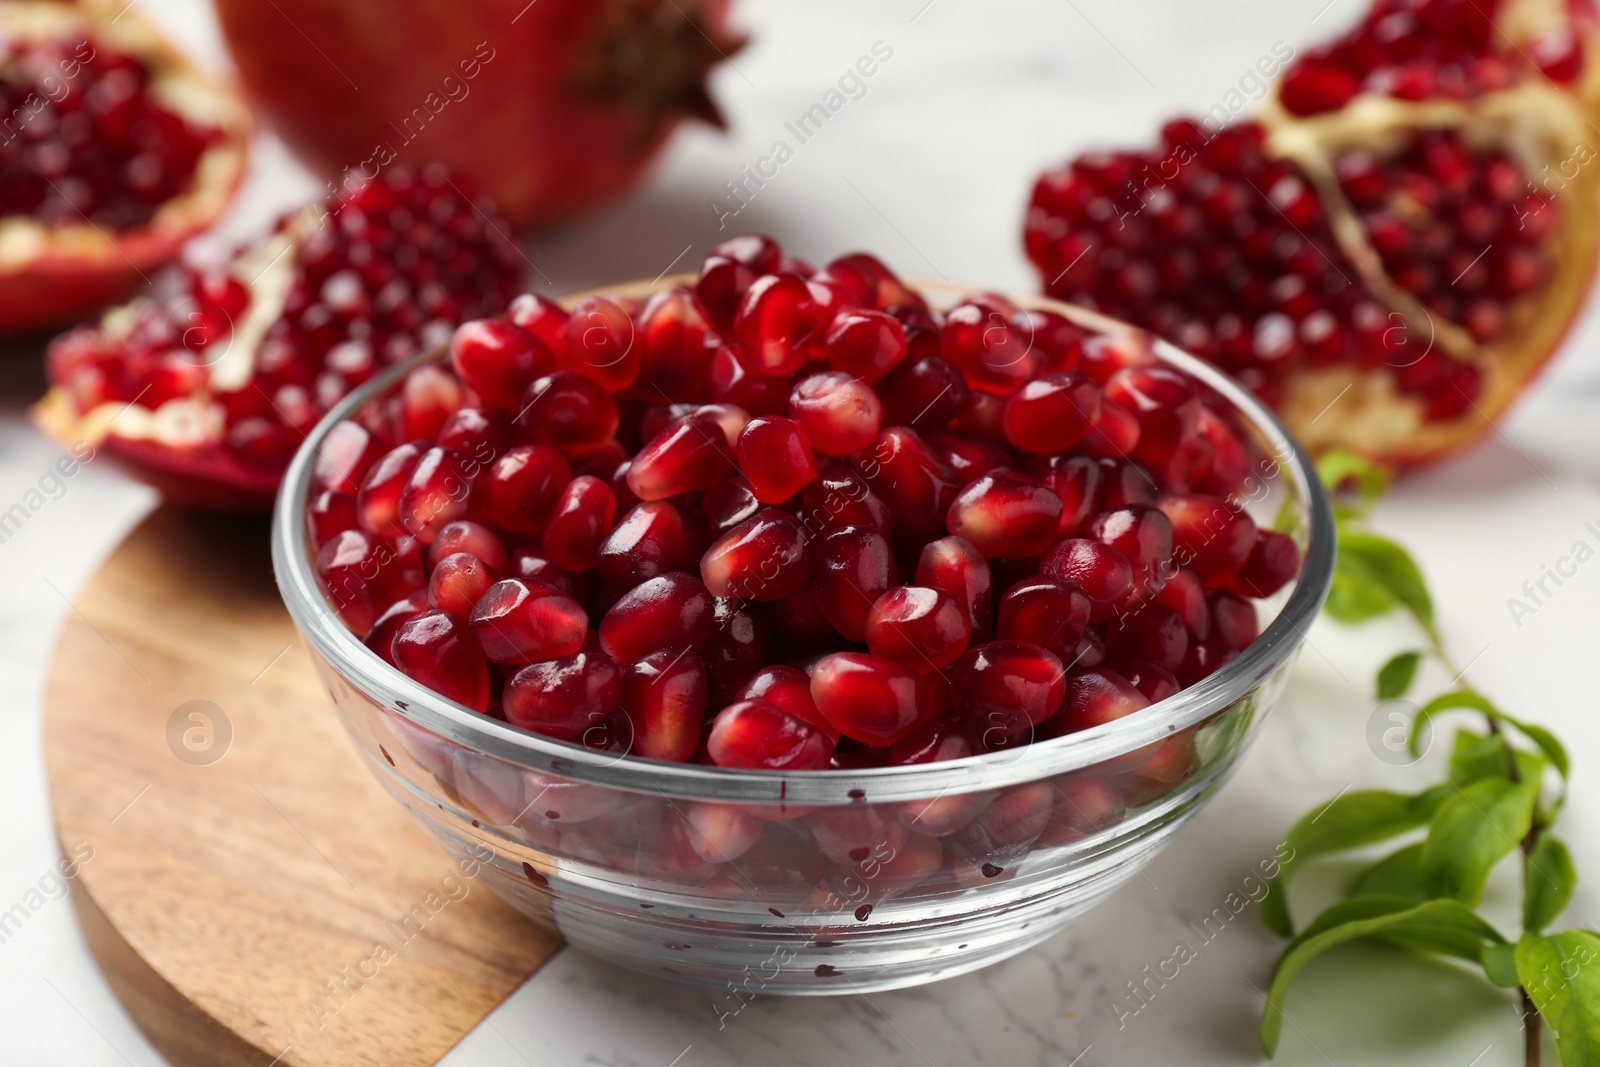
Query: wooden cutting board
[[239, 875]]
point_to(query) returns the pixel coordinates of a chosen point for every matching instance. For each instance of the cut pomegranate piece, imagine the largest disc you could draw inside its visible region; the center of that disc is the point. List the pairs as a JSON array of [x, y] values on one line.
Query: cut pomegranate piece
[[117, 151]]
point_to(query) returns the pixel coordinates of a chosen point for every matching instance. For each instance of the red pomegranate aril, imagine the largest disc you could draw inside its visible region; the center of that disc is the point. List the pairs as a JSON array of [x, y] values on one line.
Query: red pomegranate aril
[[932, 743], [438, 493], [968, 458], [1210, 534], [1144, 535], [924, 395], [498, 360], [665, 697], [378, 500], [458, 581], [671, 610], [581, 519], [902, 470], [1103, 573], [1052, 413], [476, 433], [650, 540], [1272, 564], [983, 417], [1185, 594], [1155, 682], [567, 409], [775, 457], [348, 451], [563, 697], [1233, 620], [601, 344], [866, 697], [1154, 633], [527, 563], [774, 324], [1006, 515], [722, 282], [755, 250], [1166, 405], [790, 689], [331, 512], [954, 565], [1204, 658], [1096, 697], [1009, 686], [854, 566], [729, 502], [741, 643], [921, 627], [1076, 480], [522, 488], [674, 356], [435, 649], [763, 558], [520, 620], [545, 319], [381, 637], [688, 455], [866, 344], [840, 414], [1047, 612], [991, 353], [355, 569], [429, 397], [758, 735], [838, 498]]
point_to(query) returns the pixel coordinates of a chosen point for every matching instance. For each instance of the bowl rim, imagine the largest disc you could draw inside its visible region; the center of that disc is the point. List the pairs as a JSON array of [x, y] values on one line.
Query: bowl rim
[[387, 686]]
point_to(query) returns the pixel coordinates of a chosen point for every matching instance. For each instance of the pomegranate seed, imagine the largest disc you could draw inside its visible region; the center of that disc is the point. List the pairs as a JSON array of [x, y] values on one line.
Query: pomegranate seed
[[758, 735], [526, 563], [579, 522], [355, 570], [458, 581], [775, 456], [1204, 658], [866, 344], [649, 541], [790, 689], [839, 498], [854, 568], [1155, 682], [1006, 515], [470, 537], [840, 414], [901, 468], [955, 566], [1002, 834], [1009, 687], [762, 558], [723, 281], [498, 360], [1052, 413], [331, 512], [924, 395], [1209, 534], [1155, 633], [866, 697], [1103, 573], [1233, 620], [992, 353], [665, 697], [1047, 612], [520, 620], [438, 493], [601, 345], [378, 499], [689, 454], [755, 250], [348, 451], [1185, 594], [563, 697], [477, 433], [671, 610], [674, 355], [1076, 481], [545, 319], [435, 649], [1144, 536], [381, 637], [729, 502], [774, 324], [1272, 564], [1096, 697], [567, 409], [523, 487], [741, 643], [923, 628]]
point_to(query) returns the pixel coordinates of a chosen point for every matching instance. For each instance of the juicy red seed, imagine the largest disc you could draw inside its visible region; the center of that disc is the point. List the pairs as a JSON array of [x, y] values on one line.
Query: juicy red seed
[[755, 250], [689, 454], [567, 409], [650, 540], [1233, 620], [722, 282], [1209, 534], [775, 322], [775, 456], [1123, 483], [901, 468], [520, 620], [437, 494], [1273, 563], [665, 697], [1103, 573], [954, 565], [498, 360], [869, 282], [526, 563], [1076, 480], [476, 433], [429, 397], [1154, 633], [1052, 413], [381, 637], [378, 500], [348, 451], [758, 735], [1096, 697], [933, 743], [523, 487], [1317, 84], [969, 458], [741, 643], [729, 502], [1006, 515], [674, 357], [868, 698], [1185, 594], [671, 610], [331, 512], [1164, 402], [355, 569], [1153, 681], [545, 319], [563, 697], [1144, 535], [458, 581], [790, 689], [436, 650], [1047, 612], [579, 523], [924, 395], [866, 344], [1115, 431], [840, 498], [921, 627], [601, 344], [763, 558], [840, 414], [855, 566], [1009, 686], [987, 347], [1204, 659]]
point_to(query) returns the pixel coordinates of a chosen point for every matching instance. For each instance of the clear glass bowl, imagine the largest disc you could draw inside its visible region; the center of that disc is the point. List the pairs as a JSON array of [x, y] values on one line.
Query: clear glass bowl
[[816, 882]]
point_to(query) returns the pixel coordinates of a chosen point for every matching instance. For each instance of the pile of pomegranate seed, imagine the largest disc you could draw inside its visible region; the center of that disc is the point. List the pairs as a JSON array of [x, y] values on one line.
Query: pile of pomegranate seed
[[85, 139], [1228, 252], [793, 519], [346, 288]]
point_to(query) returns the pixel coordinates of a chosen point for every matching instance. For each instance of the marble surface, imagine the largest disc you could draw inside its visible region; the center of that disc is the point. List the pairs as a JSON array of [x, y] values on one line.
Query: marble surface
[[931, 168]]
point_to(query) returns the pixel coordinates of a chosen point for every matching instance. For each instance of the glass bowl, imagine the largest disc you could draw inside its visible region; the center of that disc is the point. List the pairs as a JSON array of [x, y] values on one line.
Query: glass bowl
[[817, 882]]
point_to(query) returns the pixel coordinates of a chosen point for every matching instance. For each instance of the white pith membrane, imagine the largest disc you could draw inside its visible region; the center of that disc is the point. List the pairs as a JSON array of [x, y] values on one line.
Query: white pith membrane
[[178, 87]]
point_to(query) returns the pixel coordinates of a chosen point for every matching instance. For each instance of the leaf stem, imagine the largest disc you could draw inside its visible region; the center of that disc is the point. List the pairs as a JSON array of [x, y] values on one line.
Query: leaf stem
[[1532, 1031]]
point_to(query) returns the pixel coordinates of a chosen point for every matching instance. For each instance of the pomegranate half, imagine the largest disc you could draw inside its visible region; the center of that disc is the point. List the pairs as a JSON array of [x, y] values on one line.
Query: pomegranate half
[[114, 150], [1389, 252], [551, 107]]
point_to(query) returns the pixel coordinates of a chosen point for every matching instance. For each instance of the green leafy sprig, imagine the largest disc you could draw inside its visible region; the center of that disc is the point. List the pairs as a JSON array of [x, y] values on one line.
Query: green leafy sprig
[[1504, 791]]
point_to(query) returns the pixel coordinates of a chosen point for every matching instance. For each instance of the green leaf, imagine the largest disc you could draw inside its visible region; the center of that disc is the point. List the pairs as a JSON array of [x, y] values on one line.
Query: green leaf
[[1376, 560], [1350, 820], [1470, 700], [1398, 875], [1340, 470], [1352, 599], [1561, 973], [1396, 676], [1361, 918], [1476, 756], [1473, 831], [1551, 879], [1500, 964]]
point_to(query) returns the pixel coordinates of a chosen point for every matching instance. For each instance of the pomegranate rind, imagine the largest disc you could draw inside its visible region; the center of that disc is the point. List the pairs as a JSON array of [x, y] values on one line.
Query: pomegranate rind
[[49, 276]]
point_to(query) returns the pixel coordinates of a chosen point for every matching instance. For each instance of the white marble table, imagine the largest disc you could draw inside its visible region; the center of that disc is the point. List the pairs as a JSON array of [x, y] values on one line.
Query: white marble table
[[931, 168]]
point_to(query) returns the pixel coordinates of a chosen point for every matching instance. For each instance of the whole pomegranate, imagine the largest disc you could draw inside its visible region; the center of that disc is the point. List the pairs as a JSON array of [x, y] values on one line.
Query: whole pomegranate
[[551, 107], [1390, 251]]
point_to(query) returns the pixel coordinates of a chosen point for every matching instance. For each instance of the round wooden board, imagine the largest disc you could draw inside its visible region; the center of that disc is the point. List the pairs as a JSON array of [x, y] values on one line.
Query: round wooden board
[[252, 894]]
